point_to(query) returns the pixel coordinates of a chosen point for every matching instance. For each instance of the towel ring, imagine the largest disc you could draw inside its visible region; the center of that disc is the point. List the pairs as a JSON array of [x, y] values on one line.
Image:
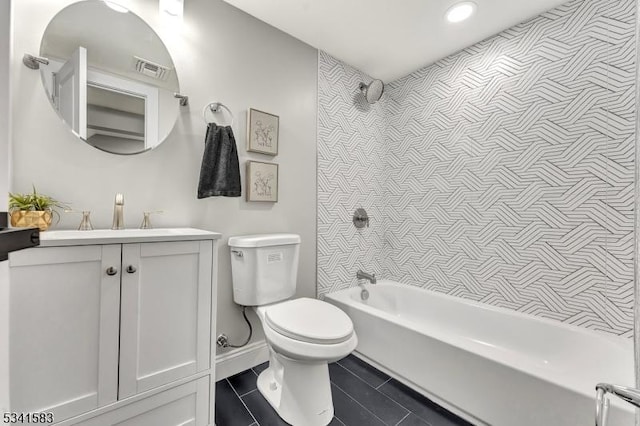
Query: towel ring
[[215, 107]]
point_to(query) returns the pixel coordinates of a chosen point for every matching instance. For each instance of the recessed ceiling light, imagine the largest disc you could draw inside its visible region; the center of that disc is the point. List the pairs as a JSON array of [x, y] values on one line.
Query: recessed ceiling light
[[461, 11], [116, 7]]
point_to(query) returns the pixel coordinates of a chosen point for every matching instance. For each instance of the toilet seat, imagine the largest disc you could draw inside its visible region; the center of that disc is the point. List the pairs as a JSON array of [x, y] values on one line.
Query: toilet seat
[[309, 320], [305, 351]]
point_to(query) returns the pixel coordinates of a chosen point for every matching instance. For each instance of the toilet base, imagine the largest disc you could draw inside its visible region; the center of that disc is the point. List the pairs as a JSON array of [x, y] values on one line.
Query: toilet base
[[299, 391]]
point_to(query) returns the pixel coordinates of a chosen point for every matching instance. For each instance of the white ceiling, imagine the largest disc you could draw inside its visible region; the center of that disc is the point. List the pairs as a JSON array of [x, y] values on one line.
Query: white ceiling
[[389, 39]]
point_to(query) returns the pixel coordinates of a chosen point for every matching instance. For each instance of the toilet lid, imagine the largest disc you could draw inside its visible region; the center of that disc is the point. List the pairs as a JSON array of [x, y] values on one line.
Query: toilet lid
[[310, 320]]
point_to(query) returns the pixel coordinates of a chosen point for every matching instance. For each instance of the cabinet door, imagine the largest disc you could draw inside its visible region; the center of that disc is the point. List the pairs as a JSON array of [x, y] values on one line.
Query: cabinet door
[[165, 313], [184, 405], [64, 316]]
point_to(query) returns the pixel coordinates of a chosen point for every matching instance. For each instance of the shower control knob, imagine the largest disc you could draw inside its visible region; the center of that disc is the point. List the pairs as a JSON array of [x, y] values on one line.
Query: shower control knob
[[111, 270], [131, 269]]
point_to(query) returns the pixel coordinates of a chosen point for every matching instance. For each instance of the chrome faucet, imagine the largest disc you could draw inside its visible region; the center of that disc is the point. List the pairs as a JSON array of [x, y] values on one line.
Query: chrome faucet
[[118, 212], [361, 275], [364, 293]]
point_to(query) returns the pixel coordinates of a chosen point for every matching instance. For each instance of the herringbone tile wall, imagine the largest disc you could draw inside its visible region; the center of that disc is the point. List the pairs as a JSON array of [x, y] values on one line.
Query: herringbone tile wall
[[351, 152], [508, 170], [511, 169]]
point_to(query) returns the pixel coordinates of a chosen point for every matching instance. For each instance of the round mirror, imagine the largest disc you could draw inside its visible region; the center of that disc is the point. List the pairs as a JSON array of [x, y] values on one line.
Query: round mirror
[[109, 77]]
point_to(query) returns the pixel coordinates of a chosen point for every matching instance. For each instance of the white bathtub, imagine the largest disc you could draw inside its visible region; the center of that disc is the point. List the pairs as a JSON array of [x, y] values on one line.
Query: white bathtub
[[489, 365]]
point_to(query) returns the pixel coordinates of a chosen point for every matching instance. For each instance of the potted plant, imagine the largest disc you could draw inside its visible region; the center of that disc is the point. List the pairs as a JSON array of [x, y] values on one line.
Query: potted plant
[[33, 210]]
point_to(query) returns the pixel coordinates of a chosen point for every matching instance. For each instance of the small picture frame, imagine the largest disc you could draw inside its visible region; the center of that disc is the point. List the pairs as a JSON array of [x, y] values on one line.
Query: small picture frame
[[262, 181], [262, 132]]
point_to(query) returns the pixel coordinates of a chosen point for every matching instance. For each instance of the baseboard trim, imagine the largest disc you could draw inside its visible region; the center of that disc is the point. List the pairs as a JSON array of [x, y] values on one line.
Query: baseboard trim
[[240, 359]]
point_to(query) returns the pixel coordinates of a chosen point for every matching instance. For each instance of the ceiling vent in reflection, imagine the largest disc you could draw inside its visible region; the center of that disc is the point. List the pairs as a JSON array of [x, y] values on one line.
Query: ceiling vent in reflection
[[151, 69]]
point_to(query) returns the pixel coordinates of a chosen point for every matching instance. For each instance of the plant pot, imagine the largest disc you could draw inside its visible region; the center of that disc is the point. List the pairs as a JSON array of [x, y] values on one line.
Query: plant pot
[[31, 218]]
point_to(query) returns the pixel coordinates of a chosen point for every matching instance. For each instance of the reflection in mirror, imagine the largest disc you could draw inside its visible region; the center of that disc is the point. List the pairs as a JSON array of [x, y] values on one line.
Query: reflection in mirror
[[115, 120], [109, 77]]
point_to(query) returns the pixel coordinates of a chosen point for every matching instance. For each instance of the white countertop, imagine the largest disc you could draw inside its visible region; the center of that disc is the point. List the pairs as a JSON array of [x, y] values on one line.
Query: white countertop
[[108, 236]]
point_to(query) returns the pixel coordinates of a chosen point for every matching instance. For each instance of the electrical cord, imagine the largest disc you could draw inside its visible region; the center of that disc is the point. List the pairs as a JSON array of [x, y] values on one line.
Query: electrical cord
[[244, 314]]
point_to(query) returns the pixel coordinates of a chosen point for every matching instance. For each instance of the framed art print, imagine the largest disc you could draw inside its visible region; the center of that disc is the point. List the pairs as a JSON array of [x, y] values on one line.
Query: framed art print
[[262, 129], [262, 181]]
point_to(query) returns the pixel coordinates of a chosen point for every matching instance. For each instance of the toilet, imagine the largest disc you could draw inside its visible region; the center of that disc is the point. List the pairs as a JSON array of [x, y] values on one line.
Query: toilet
[[303, 334]]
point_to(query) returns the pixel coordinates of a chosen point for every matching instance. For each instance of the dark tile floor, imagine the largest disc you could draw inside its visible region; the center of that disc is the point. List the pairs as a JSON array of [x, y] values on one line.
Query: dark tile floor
[[362, 396]]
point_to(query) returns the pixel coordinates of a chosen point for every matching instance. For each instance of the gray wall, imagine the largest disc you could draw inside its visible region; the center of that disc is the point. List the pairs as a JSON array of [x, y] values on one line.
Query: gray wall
[[5, 48], [510, 169], [5, 111], [221, 54]]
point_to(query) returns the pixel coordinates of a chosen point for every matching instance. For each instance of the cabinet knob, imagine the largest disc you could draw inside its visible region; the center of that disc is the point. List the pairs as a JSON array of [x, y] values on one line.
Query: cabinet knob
[[131, 269], [111, 270]]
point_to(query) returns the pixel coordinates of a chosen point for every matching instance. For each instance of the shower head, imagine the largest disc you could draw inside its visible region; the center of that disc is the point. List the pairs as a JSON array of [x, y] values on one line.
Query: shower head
[[373, 91]]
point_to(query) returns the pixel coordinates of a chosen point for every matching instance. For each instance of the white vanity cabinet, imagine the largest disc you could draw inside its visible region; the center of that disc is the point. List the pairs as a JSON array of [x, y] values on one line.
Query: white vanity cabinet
[[115, 327], [64, 329], [183, 405], [165, 331]]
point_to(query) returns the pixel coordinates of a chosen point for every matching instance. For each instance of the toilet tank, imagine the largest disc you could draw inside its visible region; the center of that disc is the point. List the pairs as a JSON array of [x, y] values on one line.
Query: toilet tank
[[264, 267]]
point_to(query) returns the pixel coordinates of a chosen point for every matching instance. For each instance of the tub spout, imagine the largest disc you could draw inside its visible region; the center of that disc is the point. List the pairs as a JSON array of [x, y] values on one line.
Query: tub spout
[[364, 293], [363, 275]]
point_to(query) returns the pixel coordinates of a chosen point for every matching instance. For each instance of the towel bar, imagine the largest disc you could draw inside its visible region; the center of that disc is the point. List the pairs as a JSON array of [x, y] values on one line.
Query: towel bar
[[632, 396]]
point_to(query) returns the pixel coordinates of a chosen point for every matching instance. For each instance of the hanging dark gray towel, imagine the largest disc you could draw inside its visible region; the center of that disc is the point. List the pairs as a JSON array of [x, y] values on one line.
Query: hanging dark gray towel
[[220, 171]]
